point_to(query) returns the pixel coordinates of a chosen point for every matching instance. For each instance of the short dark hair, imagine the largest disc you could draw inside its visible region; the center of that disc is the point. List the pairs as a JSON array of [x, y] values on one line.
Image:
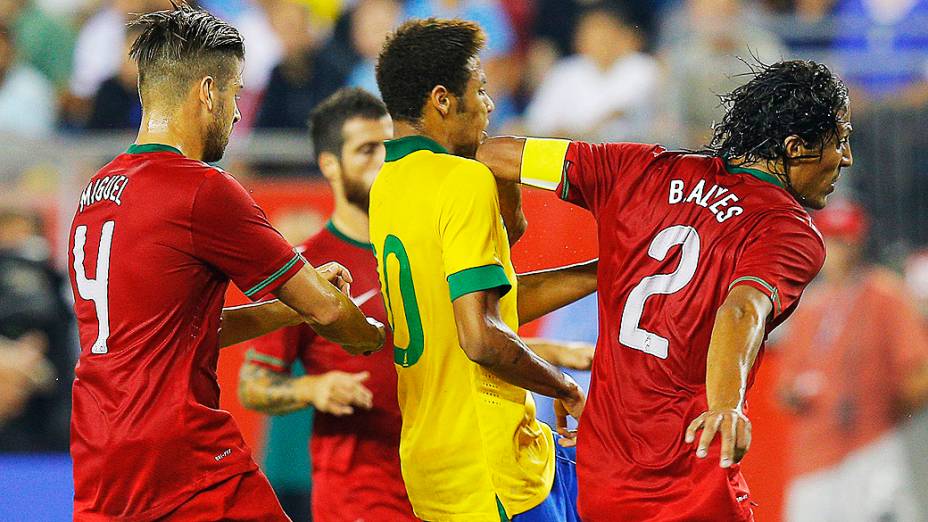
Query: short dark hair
[[328, 118], [184, 44], [421, 54], [795, 97]]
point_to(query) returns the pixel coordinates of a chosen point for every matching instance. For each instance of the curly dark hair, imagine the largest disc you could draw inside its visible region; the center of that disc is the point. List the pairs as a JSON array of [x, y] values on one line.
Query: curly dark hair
[[795, 97], [421, 54], [328, 118], [184, 44]]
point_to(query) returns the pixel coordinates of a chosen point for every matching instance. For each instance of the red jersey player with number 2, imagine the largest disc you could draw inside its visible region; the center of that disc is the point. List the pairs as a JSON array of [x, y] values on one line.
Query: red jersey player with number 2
[[701, 256], [157, 236]]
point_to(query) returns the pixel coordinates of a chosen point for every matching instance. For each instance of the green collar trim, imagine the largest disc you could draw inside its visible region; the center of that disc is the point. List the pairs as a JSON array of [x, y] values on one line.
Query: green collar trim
[[402, 147], [152, 147], [341, 235], [759, 174]]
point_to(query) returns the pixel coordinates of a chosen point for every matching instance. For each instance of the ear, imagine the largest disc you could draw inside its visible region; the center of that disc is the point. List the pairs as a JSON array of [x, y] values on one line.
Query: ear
[[329, 166], [440, 99], [795, 147], [205, 92]]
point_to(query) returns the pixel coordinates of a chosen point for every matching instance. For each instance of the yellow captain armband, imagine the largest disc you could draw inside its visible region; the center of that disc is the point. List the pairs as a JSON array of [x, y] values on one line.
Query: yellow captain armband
[[543, 162]]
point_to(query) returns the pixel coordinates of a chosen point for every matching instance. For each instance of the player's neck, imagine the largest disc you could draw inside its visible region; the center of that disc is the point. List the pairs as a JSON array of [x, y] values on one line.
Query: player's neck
[[401, 129], [163, 128], [351, 221], [764, 166]]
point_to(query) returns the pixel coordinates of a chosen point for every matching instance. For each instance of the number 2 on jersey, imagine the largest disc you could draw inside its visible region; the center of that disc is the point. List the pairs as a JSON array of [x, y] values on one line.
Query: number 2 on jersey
[[630, 333], [95, 290]]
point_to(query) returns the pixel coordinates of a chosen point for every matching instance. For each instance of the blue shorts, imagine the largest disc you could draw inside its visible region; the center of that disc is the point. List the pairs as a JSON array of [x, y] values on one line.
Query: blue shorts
[[561, 504]]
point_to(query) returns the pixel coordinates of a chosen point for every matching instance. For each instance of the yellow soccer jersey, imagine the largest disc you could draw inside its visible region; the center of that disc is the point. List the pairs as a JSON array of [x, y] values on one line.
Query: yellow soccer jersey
[[471, 448]]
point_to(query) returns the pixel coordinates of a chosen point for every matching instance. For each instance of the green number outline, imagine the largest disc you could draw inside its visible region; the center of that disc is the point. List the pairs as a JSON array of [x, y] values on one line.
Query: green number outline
[[405, 356]]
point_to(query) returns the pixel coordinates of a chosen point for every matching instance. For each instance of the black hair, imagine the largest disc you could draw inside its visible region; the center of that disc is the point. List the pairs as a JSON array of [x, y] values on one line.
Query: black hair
[[795, 97], [184, 44], [327, 120], [422, 54]]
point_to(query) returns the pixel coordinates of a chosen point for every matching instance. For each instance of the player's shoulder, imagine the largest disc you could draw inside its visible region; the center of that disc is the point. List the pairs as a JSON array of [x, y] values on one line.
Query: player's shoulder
[[463, 174]]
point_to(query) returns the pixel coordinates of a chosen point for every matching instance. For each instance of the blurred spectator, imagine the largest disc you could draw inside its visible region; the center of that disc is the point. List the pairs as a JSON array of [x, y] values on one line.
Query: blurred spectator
[[555, 21], [701, 47], [605, 91], [855, 364], [882, 50], [371, 21], [98, 51], [488, 13], [916, 279], [42, 41], [303, 78], [27, 99], [36, 341], [116, 105]]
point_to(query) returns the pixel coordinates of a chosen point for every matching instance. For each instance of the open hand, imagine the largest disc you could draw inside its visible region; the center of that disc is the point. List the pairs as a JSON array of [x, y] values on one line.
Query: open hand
[[338, 393], [734, 428]]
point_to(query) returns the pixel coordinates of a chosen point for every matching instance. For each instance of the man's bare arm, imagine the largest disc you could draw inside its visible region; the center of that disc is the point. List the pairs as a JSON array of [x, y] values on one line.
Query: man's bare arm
[[330, 312], [503, 156], [275, 393], [270, 392], [736, 339], [241, 323], [510, 207], [573, 355], [489, 342], [544, 291]]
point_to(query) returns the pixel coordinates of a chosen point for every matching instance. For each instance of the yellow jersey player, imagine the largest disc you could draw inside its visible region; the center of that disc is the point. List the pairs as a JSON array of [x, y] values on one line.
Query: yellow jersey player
[[470, 448]]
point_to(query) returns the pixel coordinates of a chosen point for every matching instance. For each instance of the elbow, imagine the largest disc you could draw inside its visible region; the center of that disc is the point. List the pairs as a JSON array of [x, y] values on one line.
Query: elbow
[[478, 350]]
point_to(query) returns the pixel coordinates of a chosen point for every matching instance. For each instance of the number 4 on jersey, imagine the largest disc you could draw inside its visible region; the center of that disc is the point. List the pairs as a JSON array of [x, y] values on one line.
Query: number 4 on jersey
[[95, 289], [632, 335]]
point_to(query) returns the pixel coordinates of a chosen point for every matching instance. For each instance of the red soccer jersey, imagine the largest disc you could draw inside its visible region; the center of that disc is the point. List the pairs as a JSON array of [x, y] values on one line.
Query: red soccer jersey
[[356, 461], [676, 232], [153, 245]]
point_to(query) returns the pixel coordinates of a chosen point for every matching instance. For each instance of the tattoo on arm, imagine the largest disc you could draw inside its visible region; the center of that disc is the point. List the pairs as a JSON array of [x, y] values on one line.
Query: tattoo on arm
[[269, 392]]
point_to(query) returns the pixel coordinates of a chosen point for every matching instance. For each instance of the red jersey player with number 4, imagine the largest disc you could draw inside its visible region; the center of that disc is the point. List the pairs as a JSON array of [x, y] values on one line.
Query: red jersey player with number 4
[[701, 256], [157, 236]]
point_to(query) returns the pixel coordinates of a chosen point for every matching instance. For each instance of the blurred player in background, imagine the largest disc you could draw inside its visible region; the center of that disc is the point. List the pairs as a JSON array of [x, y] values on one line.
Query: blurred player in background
[[703, 255], [470, 448], [356, 430], [855, 365], [157, 236]]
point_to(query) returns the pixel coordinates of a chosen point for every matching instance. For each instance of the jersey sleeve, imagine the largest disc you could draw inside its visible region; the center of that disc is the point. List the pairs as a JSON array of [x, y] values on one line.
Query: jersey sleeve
[[278, 350], [469, 229], [584, 174], [231, 232], [781, 257]]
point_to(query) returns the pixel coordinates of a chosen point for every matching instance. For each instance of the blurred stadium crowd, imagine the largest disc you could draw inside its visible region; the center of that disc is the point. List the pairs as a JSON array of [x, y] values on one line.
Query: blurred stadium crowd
[[606, 70]]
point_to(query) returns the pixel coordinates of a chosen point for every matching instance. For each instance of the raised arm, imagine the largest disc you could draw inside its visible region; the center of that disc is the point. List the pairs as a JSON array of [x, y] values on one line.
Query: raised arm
[[330, 312], [503, 156], [241, 323], [489, 342], [736, 339], [544, 291]]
